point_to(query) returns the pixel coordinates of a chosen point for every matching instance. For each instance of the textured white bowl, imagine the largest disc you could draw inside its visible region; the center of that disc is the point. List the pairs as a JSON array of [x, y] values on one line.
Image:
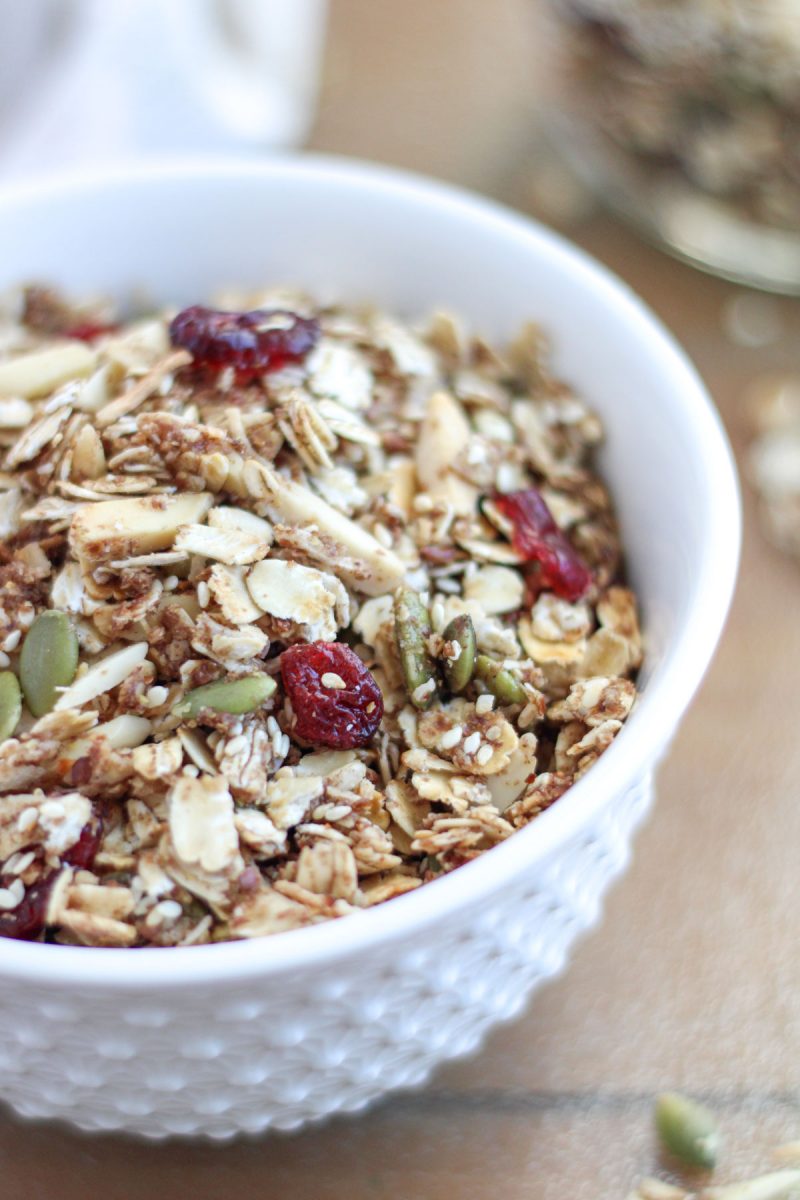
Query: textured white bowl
[[245, 1035]]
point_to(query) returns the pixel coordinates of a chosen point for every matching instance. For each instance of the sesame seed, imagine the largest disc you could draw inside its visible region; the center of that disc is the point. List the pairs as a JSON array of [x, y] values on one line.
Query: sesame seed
[[157, 696], [484, 704], [494, 734], [4, 659], [27, 819], [170, 910], [170, 583], [203, 594], [423, 691], [8, 899], [472, 743], [19, 863], [331, 680], [483, 755], [12, 641], [451, 738]]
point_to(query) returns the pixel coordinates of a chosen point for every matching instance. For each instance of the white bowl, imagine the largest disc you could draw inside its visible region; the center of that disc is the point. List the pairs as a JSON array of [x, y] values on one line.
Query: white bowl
[[275, 1032]]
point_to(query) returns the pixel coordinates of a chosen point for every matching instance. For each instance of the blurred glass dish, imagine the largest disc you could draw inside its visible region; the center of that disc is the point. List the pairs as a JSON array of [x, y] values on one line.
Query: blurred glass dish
[[89, 82], [685, 116]]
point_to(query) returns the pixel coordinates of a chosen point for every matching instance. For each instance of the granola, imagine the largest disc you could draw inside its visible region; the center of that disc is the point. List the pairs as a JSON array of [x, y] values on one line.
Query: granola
[[318, 605], [689, 96]]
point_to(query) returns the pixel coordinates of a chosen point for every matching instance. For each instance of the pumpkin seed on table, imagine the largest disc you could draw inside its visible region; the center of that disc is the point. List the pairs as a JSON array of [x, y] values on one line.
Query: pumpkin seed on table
[[412, 626], [48, 660], [10, 704], [688, 1130], [458, 671], [235, 696], [500, 682]]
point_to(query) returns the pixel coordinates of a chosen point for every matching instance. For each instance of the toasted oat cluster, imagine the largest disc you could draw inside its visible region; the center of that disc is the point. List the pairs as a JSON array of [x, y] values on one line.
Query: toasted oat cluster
[[300, 607]]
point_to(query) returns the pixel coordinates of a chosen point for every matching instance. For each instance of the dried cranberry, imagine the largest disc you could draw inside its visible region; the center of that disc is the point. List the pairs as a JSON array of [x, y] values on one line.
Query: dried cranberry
[[87, 331], [340, 717], [82, 854], [252, 342], [27, 920], [539, 540]]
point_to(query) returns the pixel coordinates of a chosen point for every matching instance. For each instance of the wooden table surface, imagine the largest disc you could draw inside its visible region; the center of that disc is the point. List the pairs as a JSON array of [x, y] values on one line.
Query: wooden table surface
[[693, 980]]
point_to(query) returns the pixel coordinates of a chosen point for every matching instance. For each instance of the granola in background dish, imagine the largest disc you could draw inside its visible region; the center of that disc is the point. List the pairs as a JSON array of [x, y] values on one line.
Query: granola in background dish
[[301, 607]]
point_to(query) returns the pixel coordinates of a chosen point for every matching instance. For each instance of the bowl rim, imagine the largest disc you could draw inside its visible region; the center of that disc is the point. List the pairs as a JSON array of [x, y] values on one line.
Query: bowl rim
[[646, 733]]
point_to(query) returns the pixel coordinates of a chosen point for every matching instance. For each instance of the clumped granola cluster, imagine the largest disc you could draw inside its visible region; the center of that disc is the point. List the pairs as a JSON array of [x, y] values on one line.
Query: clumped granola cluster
[[300, 607]]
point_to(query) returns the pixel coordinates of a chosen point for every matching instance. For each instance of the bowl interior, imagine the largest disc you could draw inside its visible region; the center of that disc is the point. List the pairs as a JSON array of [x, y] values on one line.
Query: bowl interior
[[360, 233]]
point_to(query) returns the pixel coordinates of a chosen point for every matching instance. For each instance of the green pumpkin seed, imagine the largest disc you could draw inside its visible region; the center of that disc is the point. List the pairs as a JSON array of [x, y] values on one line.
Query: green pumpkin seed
[[500, 682], [235, 696], [687, 1129], [458, 671], [48, 660], [412, 626], [10, 704]]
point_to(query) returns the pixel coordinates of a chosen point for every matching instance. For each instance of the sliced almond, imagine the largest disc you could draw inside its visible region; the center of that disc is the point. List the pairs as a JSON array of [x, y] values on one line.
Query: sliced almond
[[402, 485], [143, 389], [40, 371], [197, 750], [324, 762], [94, 930], [116, 529], [507, 785], [88, 456], [15, 413], [241, 521], [102, 676], [374, 569], [124, 732], [443, 434]]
